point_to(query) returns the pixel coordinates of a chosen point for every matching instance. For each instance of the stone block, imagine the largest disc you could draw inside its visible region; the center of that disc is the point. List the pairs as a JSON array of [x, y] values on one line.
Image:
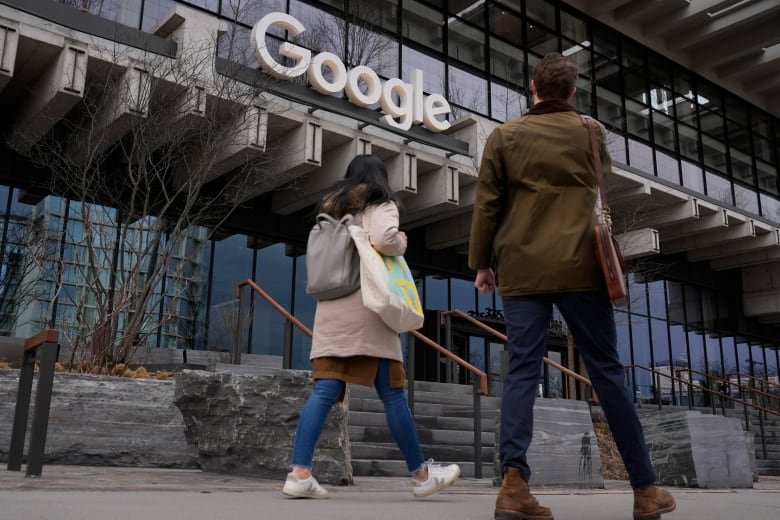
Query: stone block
[[104, 421], [245, 424], [563, 451], [691, 449]]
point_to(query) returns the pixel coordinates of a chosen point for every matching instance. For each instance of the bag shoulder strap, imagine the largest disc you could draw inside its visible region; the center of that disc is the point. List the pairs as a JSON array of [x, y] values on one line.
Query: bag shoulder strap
[[590, 124]]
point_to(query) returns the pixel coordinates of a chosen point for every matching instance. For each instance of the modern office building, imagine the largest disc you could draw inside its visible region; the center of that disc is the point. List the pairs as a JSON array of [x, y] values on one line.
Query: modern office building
[[687, 90]]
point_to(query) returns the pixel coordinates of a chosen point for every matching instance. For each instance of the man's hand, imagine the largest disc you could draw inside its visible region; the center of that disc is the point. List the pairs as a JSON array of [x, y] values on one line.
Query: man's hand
[[485, 281]]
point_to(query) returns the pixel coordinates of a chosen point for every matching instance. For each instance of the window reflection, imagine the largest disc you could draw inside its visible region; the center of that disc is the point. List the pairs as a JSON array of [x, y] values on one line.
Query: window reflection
[[436, 296], [542, 12], [541, 41], [573, 27], [126, 12], [466, 43], [667, 167], [273, 273], [506, 62], [640, 156], [609, 108], [719, 188], [745, 198], [433, 69], [422, 24], [468, 91], [505, 103], [770, 207]]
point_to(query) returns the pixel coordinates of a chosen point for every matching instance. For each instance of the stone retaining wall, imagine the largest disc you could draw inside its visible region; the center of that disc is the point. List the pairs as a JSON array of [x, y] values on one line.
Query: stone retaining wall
[[104, 421]]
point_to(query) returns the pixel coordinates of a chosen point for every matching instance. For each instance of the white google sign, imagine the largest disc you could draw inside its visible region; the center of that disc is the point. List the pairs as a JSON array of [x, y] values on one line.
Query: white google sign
[[404, 103]]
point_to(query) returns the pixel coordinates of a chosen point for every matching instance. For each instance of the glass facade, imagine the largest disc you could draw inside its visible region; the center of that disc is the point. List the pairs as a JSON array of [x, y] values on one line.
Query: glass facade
[[662, 119]]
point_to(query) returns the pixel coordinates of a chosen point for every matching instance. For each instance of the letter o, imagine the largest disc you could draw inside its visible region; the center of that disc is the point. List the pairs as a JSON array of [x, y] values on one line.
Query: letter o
[[337, 68], [373, 86]]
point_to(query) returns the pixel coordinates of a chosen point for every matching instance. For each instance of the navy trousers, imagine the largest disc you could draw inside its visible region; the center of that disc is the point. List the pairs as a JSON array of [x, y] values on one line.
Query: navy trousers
[[591, 321]]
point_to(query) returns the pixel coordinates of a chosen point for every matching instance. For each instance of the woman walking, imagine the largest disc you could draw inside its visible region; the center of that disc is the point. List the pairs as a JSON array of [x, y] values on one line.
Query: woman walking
[[351, 344]]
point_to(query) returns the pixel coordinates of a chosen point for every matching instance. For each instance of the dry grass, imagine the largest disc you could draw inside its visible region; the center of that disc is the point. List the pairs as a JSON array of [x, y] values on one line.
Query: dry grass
[[612, 467]]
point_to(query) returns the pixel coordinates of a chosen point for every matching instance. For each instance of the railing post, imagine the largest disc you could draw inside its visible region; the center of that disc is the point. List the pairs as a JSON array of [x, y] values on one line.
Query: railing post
[[410, 374], [40, 424], [287, 352], [19, 428], [689, 387], [763, 433], [235, 355], [712, 396], [447, 340], [477, 430]]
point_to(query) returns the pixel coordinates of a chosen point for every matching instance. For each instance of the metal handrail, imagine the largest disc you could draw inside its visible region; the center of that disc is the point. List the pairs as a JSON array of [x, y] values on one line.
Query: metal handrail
[[727, 381], [267, 297], [744, 404], [483, 387], [483, 378], [748, 376], [503, 337], [703, 389]]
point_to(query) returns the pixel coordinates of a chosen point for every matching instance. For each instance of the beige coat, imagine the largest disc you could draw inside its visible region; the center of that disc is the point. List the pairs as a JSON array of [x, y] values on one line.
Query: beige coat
[[344, 327], [534, 210]]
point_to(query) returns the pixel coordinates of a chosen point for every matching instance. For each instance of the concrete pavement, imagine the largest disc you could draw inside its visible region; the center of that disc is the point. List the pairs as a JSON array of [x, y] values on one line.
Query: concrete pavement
[[93, 493]]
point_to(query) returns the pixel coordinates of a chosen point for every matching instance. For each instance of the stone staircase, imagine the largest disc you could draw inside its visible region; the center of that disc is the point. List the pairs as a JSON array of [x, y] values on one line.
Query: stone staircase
[[444, 417], [769, 464], [765, 465]]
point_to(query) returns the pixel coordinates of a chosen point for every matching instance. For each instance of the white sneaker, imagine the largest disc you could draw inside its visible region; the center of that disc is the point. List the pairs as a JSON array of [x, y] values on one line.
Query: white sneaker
[[439, 477], [306, 488]]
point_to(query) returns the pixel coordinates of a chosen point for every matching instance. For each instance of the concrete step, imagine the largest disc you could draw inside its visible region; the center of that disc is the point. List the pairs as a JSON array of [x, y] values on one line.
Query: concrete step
[[390, 451], [422, 396], [423, 409], [372, 434], [397, 468], [422, 421], [768, 467]]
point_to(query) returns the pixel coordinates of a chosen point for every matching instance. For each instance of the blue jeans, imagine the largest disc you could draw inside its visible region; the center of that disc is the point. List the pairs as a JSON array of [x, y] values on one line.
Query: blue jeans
[[327, 391], [590, 319]]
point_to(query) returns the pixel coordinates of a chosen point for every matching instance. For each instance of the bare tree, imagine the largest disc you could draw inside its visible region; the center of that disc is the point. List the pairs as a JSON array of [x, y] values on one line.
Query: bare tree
[[156, 157]]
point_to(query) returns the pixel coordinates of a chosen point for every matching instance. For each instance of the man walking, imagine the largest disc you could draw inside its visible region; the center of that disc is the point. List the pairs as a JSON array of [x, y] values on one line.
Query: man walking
[[533, 220]]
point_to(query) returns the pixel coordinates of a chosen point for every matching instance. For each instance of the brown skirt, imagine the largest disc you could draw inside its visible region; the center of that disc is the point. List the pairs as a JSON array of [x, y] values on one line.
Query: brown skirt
[[360, 370]]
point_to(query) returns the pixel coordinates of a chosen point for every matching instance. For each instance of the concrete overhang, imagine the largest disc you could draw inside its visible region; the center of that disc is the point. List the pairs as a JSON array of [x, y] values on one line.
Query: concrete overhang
[[735, 44]]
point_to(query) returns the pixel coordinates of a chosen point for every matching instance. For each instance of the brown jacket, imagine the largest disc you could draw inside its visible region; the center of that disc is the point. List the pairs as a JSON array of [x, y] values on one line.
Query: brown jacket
[[534, 210]]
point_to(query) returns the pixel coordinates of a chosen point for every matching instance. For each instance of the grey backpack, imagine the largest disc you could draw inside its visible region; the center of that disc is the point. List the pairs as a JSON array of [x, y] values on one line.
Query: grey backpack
[[332, 260]]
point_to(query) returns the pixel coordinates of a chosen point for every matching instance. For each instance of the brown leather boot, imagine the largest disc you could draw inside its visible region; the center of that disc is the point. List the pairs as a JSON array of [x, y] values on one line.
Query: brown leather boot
[[515, 501], [651, 502]]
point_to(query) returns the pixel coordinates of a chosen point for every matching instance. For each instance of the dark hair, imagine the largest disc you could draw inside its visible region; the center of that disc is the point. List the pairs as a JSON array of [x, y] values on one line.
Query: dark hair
[[365, 184], [555, 76]]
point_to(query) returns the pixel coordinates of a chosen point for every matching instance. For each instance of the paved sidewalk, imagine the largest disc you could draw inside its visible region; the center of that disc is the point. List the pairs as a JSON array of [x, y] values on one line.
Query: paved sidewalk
[[91, 493]]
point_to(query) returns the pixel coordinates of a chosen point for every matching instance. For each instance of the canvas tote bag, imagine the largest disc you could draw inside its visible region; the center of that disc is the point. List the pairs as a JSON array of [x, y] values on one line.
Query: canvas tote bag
[[386, 284]]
